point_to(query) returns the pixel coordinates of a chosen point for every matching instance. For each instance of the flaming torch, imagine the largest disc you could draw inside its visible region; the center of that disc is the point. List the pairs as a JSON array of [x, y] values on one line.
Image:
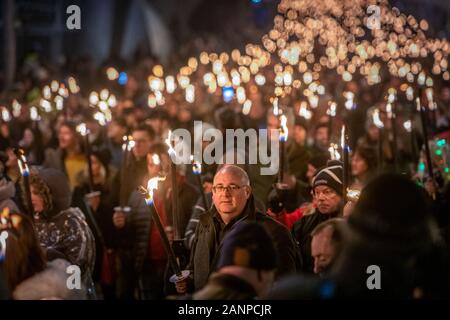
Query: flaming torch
[[25, 173], [173, 176], [197, 171], [345, 156], [148, 196], [390, 109], [127, 146], [283, 138], [380, 125]]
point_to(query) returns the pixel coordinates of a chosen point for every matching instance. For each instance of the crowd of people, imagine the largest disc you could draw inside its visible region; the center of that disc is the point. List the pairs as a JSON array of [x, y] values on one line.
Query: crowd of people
[[240, 234]]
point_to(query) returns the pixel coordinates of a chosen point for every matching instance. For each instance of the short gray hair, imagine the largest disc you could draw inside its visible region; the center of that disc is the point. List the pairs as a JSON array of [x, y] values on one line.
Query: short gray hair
[[236, 171]]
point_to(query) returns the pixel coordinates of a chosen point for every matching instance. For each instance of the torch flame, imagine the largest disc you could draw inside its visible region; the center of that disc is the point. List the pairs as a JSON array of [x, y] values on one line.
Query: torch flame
[[82, 129], [331, 151], [155, 159], [343, 137], [349, 102], [5, 115], [3, 237], [389, 110], [283, 128], [4, 215], [23, 166], [128, 143], [376, 119], [151, 186], [22, 162], [169, 143], [334, 154], [407, 125], [332, 110], [196, 166], [276, 110], [353, 194]]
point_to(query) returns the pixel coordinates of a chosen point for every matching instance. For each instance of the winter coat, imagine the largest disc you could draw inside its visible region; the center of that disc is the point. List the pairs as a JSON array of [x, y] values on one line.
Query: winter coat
[[7, 192], [206, 248], [65, 229], [197, 211], [69, 234], [51, 283], [302, 233], [105, 231], [222, 286]]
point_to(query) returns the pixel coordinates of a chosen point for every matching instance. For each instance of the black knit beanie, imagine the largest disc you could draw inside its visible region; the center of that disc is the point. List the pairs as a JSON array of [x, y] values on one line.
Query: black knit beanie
[[330, 176]]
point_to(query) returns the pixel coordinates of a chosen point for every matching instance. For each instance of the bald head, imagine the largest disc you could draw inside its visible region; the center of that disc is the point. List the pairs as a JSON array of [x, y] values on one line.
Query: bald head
[[231, 191], [234, 171]]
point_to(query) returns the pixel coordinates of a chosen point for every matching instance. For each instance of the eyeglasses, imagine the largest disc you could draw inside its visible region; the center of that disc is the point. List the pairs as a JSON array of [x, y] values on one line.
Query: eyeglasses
[[231, 188]]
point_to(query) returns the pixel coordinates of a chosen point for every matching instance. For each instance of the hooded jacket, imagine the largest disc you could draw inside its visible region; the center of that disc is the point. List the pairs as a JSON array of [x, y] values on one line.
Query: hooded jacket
[[206, 247], [65, 229]]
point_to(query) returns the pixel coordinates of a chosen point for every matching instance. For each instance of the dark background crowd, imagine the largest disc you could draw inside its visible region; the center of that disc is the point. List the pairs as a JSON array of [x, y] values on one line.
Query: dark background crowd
[[80, 204]]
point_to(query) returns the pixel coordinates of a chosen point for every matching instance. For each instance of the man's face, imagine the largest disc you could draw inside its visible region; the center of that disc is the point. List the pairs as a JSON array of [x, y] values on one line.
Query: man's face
[[322, 136], [231, 200], [142, 144], [322, 249], [327, 199]]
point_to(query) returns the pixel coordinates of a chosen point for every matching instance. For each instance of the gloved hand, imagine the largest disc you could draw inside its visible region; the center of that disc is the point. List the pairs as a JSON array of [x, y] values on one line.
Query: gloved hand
[[277, 198]]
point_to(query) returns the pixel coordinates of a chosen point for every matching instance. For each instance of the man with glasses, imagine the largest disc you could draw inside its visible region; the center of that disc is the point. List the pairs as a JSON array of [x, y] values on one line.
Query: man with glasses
[[327, 194], [233, 203]]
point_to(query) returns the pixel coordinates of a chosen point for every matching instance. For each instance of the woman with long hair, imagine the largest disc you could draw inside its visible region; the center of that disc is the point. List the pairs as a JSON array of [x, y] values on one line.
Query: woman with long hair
[[28, 274]]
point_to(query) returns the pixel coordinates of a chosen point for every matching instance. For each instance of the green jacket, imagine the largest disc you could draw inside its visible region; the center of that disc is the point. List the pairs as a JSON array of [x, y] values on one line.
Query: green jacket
[[205, 249]]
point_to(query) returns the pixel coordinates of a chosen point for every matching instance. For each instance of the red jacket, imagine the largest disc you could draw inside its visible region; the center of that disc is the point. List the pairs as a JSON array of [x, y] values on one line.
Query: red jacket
[[288, 219]]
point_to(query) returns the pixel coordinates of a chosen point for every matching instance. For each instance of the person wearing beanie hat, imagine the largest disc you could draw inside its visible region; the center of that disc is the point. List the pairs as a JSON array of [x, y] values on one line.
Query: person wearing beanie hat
[[330, 176], [60, 227], [246, 267], [327, 195]]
